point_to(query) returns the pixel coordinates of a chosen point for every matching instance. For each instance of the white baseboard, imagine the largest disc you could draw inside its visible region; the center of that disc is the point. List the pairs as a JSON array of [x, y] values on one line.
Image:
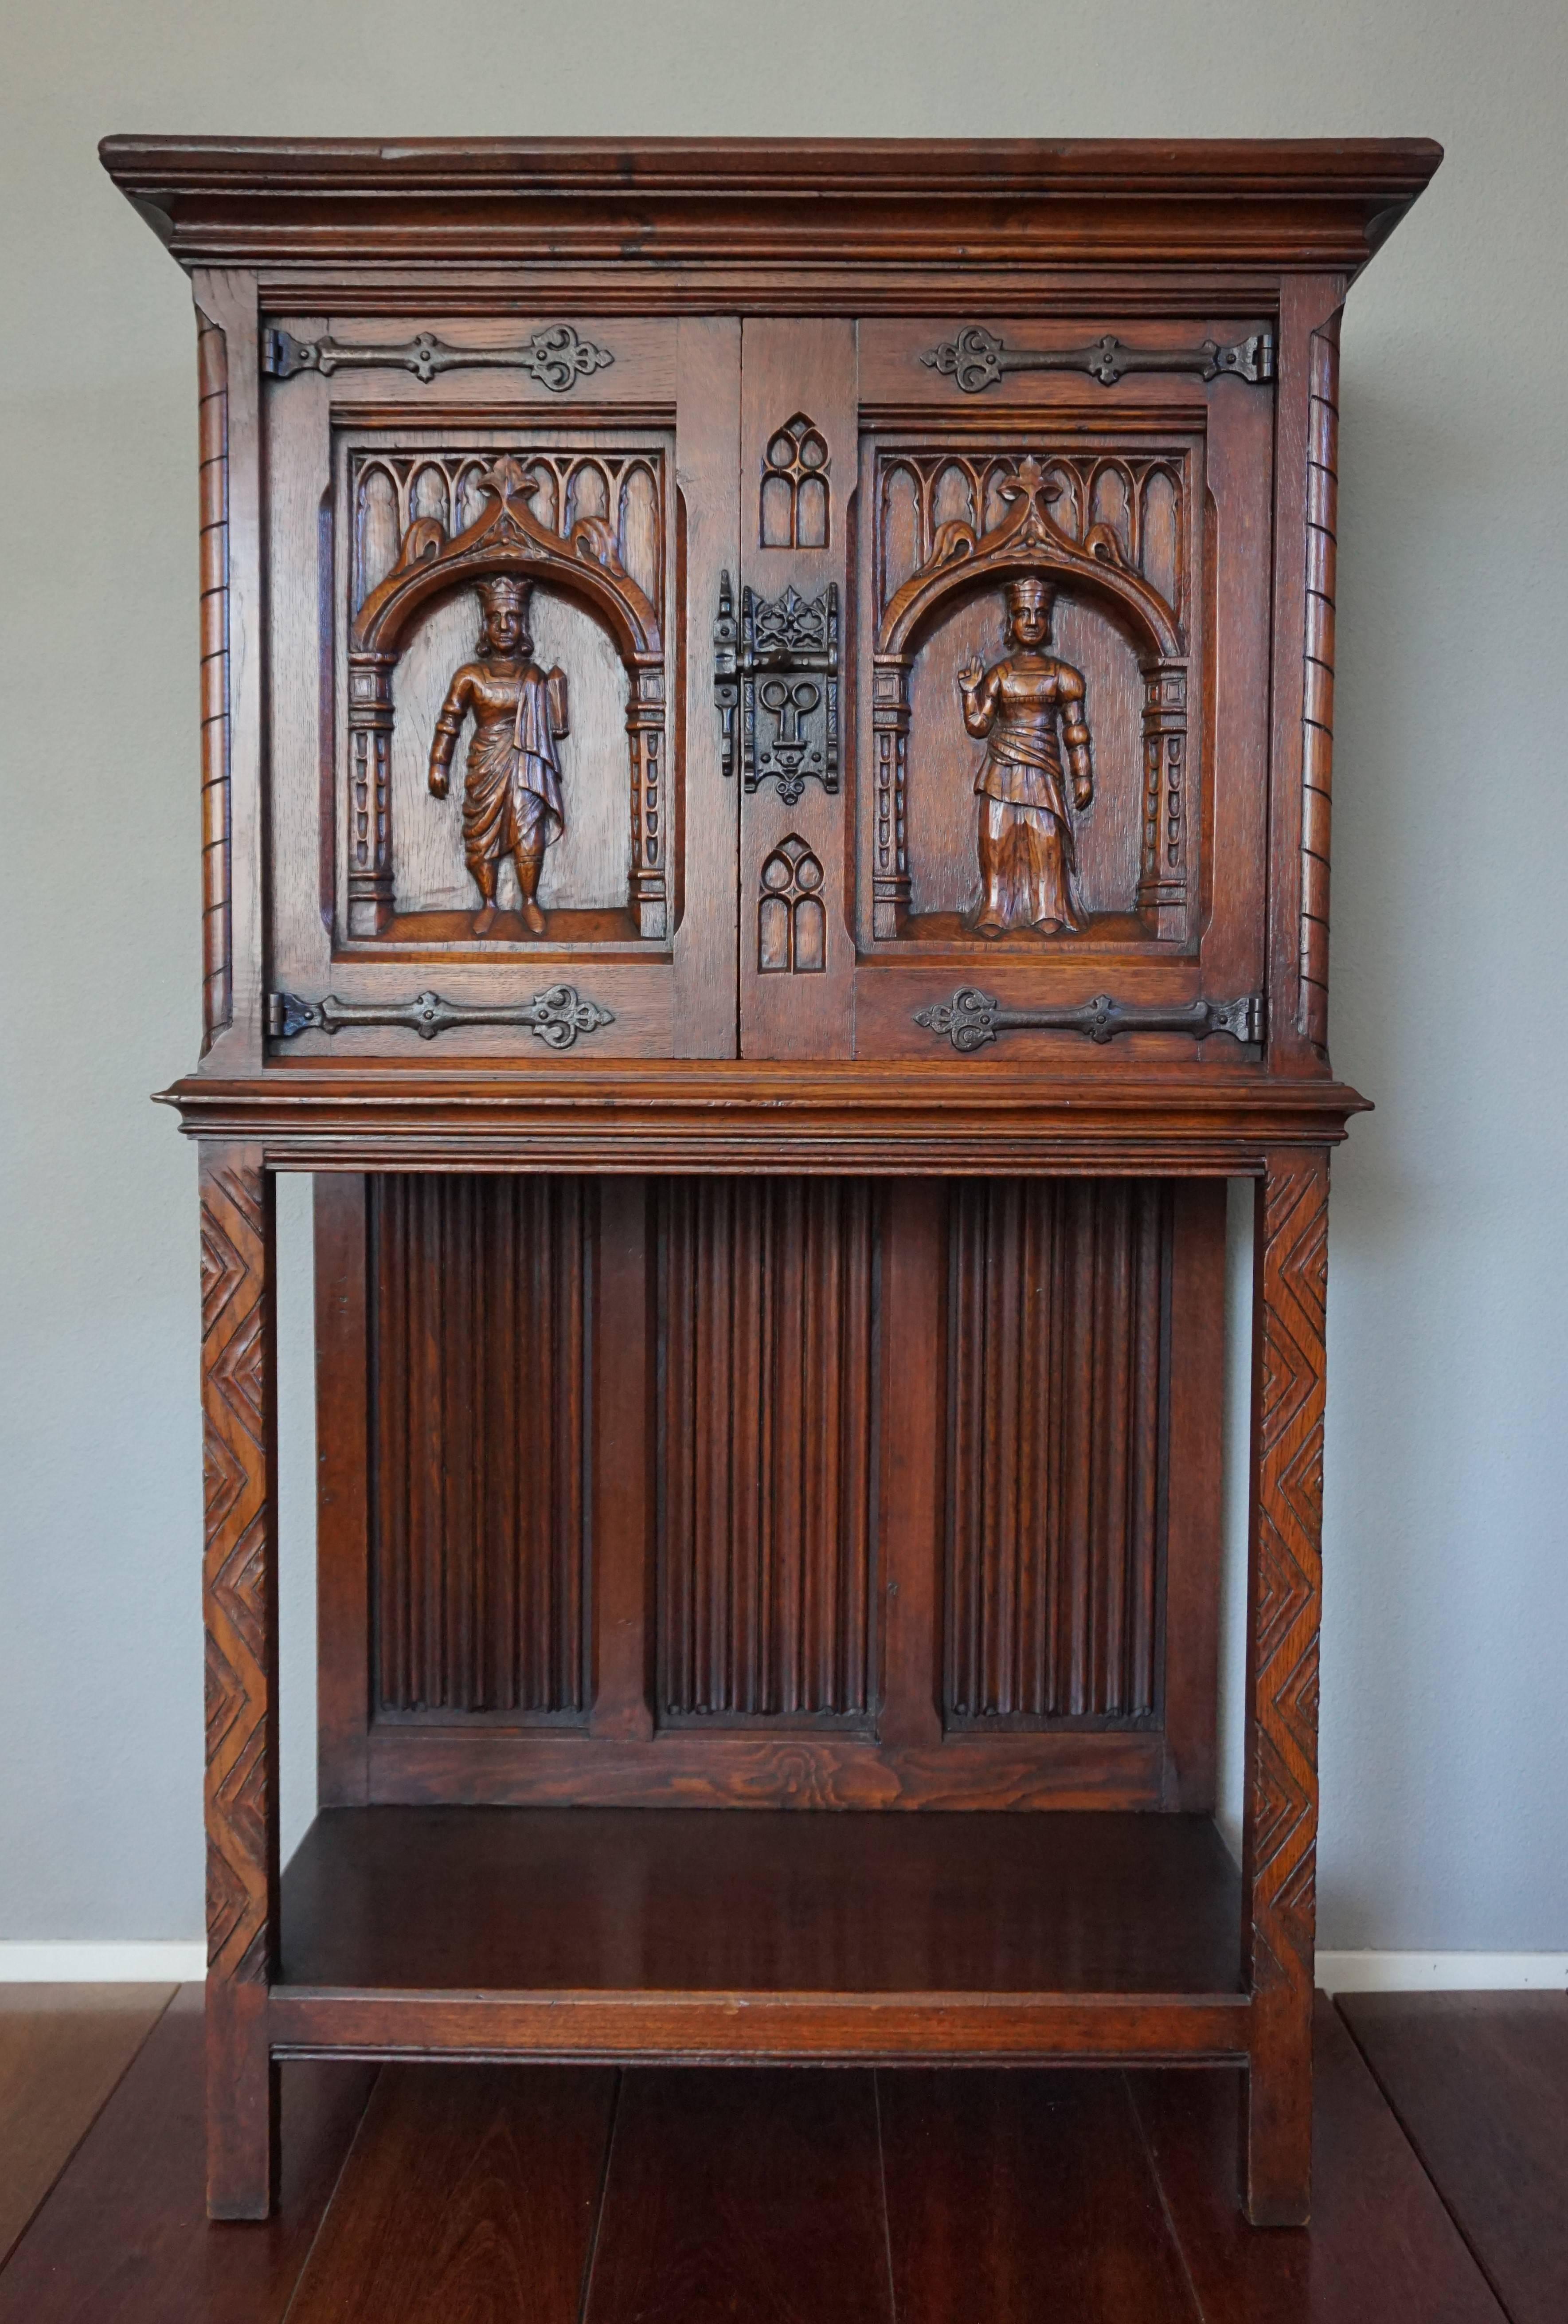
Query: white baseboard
[[1378, 1972], [177, 1963], [151, 1963]]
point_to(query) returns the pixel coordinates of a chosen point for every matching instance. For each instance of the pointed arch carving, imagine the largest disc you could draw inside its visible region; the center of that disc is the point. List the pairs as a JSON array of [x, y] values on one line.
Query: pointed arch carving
[[1027, 540], [506, 537], [1093, 561]]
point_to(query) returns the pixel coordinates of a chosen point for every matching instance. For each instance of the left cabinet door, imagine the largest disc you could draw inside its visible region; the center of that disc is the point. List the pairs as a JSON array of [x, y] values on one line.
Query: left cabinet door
[[495, 824]]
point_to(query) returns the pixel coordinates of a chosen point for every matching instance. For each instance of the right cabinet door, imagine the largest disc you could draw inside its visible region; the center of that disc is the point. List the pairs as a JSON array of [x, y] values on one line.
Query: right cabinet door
[[1061, 685]]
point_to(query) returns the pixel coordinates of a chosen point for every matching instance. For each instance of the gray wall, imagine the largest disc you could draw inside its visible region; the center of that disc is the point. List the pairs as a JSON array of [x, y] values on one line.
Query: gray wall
[[1445, 1749]]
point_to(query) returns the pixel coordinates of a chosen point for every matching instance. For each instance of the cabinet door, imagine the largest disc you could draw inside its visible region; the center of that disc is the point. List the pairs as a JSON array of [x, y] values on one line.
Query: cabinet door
[[1061, 828], [497, 822]]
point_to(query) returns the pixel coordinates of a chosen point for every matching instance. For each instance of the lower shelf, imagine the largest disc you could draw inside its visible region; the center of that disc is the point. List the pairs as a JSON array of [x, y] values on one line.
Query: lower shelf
[[712, 1934]]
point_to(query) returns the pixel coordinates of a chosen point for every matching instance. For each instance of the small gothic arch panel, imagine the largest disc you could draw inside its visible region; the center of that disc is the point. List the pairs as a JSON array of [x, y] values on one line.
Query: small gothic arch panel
[[795, 510], [791, 921]]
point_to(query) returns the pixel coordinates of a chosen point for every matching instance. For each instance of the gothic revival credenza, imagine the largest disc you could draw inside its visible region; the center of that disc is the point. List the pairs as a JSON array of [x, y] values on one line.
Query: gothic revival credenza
[[765, 775]]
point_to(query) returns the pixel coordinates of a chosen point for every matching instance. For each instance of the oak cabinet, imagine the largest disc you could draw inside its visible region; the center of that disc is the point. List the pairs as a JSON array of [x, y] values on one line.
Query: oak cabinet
[[765, 784]]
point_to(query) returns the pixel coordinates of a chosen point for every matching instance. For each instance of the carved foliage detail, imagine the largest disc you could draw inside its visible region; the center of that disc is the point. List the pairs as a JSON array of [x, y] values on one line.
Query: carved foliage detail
[[795, 510], [237, 1573], [604, 506], [1282, 1741], [939, 506], [791, 923]]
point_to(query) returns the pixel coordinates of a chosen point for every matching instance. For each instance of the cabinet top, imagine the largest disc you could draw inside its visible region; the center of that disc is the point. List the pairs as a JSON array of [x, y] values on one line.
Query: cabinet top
[[1271, 202]]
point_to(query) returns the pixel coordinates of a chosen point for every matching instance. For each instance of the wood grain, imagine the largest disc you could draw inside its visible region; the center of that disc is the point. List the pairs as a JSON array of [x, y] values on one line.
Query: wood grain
[[62, 2049], [240, 1602], [743, 2195], [1013, 2197], [527, 1901], [480, 1328], [1380, 2243], [1056, 1297], [471, 2195], [1280, 1828], [124, 2235], [1480, 2084], [767, 1327], [1054, 1648]]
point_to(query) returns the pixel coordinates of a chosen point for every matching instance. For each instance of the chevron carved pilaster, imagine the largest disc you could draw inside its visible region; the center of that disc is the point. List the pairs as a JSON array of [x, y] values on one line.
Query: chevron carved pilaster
[[238, 1580], [1279, 1847]]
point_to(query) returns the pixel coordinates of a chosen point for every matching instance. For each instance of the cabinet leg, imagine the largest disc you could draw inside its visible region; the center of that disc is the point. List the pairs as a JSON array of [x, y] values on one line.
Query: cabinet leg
[[239, 1594], [1279, 1837], [242, 2104]]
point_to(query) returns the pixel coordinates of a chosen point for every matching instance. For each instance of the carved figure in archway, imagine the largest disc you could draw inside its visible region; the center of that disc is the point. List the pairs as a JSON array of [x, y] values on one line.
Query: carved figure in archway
[[512, 798], [1027, 856]]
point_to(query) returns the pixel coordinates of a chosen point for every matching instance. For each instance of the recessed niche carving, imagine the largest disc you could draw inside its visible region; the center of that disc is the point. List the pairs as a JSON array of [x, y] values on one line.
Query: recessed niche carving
[[791, 923], [573, 543], [1086, 831], [795, 499]]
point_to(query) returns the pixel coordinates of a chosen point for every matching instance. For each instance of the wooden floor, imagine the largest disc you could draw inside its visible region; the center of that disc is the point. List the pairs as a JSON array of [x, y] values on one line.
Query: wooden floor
[[476, 2195]]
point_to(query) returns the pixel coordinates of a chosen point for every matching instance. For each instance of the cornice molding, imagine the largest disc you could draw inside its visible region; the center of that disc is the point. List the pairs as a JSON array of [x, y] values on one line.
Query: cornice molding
[[219, 201]]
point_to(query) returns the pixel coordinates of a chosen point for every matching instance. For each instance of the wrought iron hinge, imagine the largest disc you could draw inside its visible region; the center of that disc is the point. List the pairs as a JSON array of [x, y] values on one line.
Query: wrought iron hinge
[[558, 1017], [976, 359], [972, 1018], [781, 655], [557, 356]]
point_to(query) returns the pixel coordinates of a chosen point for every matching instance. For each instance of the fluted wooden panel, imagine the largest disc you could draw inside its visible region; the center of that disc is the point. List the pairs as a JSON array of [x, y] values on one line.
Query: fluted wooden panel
[[767, 1328], [1055, 1294], [480, 1328]]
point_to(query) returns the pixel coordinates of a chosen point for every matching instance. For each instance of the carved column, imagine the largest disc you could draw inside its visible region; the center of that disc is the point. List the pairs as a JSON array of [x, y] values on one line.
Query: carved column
[[1279, 1841], [650, 806], [1317, 713], [239, 1590], [217, 916], [890, 850], [1162, 887], [370, 730]]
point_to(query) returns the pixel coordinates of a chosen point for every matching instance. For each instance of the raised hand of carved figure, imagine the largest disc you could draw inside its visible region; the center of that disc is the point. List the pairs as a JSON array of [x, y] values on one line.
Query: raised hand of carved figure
[[970, 676]]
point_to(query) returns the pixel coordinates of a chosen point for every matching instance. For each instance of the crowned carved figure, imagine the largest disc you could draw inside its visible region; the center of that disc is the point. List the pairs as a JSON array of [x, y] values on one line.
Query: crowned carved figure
[[1027, 857], [511, 797]]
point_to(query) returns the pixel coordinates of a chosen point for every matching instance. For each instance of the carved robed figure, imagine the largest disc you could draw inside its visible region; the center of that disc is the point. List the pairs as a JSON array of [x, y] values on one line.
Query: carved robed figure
[[511, 800], [1027, 857]]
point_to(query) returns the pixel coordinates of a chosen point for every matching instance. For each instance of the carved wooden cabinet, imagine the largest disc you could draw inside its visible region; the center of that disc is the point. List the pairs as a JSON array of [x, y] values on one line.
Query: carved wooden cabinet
[[766, 717]]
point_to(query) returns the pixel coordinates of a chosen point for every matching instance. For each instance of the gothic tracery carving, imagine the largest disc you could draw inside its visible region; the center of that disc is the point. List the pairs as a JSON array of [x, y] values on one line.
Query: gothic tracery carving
[[794, 510], [792, 922], [591, 522], [1113, 525]]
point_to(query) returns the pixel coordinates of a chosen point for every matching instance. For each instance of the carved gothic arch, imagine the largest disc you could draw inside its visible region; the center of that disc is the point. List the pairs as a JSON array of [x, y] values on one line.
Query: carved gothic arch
[[505, 538], [1028, 542]]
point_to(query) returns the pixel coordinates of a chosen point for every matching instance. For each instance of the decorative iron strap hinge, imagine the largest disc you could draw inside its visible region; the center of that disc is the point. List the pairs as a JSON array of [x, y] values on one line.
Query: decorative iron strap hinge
[[972, 1018], [558, 1017], [782, 653], [556, 355], [976, 359]]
